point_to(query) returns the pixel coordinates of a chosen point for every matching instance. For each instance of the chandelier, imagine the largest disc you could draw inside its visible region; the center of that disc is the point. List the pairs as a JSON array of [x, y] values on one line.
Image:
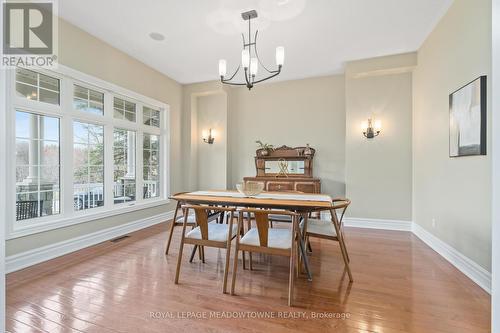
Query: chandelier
[[250, 59]]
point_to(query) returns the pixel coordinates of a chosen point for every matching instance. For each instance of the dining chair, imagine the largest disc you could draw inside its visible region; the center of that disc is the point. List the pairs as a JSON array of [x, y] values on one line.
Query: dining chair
[[331, 229], [263, 239], [207, 234], [178, 221]]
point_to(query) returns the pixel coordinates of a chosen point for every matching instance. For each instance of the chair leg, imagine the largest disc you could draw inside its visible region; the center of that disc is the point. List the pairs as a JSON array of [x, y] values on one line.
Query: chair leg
[[309, 248], [172, 229], [244, 259], [235, 268], [292, 272], [179, 260], [346, 259], [202, 248], [226, 268], [251, 261], [193, 253], [343, 241]]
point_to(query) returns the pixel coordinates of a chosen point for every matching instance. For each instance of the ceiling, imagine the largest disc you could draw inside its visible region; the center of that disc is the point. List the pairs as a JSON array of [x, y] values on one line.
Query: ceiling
[[319, 36]]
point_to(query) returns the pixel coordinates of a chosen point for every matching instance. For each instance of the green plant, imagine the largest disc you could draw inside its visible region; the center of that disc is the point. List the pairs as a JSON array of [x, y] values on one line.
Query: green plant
[[265, 146]]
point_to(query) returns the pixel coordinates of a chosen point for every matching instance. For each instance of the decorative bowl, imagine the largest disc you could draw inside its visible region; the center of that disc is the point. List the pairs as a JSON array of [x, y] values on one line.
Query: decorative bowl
[[250, 189]]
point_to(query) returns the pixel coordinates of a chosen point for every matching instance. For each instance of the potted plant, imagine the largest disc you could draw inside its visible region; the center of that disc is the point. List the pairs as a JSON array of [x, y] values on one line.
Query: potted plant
[[264, 148]]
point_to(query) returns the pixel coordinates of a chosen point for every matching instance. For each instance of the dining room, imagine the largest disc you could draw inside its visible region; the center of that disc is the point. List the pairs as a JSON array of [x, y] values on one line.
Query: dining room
[[249, 166]]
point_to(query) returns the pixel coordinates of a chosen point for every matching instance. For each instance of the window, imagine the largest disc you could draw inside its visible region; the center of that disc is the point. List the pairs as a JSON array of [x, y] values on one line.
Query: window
[[151, 165], [73, 159], [88, 100], [88, 165], [151, 117], [38, 87], [124, 109], [37, 165], [124, 165]]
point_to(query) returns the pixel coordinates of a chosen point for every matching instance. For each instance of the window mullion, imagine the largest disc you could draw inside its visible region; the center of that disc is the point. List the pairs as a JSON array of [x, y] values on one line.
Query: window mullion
[[139, 166], [66, 149], [108, 151]]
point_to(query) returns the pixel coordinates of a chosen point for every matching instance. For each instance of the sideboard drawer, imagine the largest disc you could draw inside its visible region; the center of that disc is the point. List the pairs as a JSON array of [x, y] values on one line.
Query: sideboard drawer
[[279, 186], [306, 187]]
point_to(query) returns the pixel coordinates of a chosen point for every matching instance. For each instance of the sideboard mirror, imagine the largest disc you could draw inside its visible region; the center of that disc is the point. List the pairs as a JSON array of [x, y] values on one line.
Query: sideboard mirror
[[285, 162], [281, 166]]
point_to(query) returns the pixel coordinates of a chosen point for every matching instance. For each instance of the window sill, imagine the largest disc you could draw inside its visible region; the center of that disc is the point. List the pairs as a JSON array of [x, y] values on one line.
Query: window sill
[[82, 218]]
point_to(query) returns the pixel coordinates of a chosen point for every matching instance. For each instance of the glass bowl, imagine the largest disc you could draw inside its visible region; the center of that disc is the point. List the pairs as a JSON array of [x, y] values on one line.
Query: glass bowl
[[250, 189]]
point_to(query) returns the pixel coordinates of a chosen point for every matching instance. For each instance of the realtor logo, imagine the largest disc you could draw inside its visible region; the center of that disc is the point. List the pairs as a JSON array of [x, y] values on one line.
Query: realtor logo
[[29, 34]]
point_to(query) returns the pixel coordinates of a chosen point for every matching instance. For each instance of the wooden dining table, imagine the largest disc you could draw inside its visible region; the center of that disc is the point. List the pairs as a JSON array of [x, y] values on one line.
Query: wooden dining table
[[301, 203]]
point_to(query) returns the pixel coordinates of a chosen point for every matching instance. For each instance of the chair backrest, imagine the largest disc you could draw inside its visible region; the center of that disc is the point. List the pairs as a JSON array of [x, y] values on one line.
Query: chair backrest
[[201, 214], [339, 204], [262, 221]]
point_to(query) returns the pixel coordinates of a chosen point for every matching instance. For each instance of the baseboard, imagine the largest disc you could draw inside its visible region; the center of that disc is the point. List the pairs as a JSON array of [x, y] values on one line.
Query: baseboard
[[44, 253], [469, 268], [472, 270], [377, 224]]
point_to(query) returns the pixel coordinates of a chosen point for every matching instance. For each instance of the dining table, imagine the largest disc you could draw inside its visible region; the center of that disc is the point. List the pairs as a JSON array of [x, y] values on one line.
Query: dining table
[[301, 203]]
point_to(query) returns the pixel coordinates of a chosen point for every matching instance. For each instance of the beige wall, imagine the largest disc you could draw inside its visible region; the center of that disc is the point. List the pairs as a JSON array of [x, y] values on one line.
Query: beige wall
[[85, 53], [378, 171], [454, 192], [290, 113], [212, 158]]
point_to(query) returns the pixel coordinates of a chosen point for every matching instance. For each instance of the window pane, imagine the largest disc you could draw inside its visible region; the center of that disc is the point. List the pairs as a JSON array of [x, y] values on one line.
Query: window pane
[[26, 91], [37, 166], [124, 165], [151, 166], [123, 109], [48, 96], [26, 76], [49, 83], [88, 100], [88, 158], [151, 117], [38, 87]]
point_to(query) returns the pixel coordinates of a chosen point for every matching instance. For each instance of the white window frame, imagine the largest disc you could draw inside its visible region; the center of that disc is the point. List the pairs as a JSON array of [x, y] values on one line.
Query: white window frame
[[67, 114]]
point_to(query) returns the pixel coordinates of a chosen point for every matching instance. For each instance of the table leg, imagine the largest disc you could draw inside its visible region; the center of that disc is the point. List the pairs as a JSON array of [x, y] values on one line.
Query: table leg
[[302, 245]]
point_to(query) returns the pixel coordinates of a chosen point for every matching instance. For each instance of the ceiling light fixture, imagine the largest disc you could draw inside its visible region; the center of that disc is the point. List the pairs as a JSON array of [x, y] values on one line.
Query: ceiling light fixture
[[157, 36], [250, 59]]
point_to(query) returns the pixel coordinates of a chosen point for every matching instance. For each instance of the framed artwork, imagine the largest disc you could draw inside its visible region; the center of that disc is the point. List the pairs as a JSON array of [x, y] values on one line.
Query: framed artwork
[[468, 119]]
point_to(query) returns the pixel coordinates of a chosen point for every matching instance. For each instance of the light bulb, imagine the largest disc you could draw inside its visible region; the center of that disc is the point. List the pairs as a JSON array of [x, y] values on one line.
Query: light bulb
[[378, 125], [280, 55], [245, 58], [254, 66], [222, 67]]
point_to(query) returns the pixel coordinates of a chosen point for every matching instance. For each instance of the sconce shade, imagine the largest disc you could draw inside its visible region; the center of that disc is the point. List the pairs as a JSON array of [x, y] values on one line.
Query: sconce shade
[[280, 55], [369, 129], [208, 136], [222, 67]]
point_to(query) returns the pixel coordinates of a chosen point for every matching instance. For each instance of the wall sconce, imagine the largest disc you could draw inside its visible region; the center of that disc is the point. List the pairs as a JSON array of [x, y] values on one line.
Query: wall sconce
[[371, 128], [210, 138]]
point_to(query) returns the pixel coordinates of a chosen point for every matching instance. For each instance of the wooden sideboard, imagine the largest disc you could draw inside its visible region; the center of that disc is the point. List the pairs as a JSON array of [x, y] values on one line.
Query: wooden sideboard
[[298, 164], [306, 185]]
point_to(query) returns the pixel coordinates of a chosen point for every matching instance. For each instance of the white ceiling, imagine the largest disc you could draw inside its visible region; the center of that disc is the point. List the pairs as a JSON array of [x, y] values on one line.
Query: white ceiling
[[319, 36]]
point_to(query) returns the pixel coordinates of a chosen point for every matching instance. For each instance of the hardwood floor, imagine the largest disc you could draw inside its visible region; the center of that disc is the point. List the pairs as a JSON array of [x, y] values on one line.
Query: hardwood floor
[[400, 285]]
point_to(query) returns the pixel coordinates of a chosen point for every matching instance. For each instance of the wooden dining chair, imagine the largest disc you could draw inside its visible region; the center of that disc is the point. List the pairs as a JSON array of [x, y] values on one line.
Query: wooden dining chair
[[263, 239], [331, 229], [207, 234], [179, 219]]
